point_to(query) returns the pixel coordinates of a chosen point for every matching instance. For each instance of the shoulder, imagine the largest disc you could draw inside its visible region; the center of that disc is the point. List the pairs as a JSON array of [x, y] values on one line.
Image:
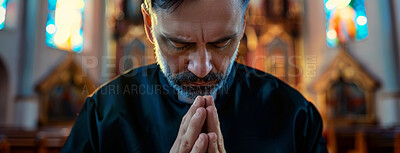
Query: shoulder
[[269, 87], [137, 76], [124, 87]]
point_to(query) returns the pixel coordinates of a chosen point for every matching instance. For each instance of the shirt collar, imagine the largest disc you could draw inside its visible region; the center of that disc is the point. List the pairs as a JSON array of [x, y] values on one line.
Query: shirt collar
[[190, 101]]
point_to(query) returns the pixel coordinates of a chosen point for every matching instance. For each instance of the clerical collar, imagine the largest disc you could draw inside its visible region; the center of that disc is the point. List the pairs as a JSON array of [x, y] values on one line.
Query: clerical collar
[[190, 101]]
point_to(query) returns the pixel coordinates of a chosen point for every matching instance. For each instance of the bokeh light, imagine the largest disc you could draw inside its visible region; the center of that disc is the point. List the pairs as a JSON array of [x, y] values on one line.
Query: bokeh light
[[338, 4], [51, 28], [361, 20], [332, 34]]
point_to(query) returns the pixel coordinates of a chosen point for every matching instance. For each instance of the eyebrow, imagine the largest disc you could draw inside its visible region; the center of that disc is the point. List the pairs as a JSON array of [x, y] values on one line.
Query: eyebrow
[[182, 41]]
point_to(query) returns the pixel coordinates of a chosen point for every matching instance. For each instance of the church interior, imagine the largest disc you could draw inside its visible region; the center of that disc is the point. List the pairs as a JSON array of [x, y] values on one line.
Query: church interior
[[342, 55]]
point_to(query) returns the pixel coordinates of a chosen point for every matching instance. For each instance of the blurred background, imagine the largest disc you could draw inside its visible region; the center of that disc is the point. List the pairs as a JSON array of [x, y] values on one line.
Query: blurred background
[[342, 55]]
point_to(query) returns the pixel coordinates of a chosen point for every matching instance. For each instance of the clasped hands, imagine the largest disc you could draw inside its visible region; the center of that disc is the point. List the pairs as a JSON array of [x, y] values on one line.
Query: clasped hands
[[199, 131]]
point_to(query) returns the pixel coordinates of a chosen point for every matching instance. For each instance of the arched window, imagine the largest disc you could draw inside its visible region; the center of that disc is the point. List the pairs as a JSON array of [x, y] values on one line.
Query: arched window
[[64, 24], [346, 20]]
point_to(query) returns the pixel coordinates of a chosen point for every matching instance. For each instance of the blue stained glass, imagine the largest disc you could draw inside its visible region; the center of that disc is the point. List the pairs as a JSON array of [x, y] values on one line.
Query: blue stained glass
[[64, 24], [3, 8], [338, 26]]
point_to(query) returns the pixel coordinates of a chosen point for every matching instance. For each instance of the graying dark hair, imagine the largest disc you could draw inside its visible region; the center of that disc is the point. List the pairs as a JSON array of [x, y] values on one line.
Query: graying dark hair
[[171, 5]]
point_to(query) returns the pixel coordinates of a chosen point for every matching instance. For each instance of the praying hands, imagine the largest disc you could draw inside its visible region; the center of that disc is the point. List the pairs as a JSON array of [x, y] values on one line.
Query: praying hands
[[201, 115]]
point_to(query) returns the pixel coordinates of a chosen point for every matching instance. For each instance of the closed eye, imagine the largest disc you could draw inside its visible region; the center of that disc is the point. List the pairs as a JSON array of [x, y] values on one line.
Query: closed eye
[[221, 44], [179, 46]]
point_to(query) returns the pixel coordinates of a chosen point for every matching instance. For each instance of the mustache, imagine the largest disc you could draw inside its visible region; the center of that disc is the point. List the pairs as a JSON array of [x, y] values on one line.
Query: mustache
[[191, 77]]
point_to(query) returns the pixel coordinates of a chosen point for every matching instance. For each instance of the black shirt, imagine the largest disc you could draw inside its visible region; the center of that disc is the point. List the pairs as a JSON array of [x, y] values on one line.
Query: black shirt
[[140, 112]]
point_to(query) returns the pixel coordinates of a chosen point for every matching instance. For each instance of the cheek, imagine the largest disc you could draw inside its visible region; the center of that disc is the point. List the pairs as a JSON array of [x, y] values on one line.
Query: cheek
[[222, 59], [175, 60]]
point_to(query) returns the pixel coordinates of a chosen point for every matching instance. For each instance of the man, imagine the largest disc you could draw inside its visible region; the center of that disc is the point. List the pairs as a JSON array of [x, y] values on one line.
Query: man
[[197, 99]]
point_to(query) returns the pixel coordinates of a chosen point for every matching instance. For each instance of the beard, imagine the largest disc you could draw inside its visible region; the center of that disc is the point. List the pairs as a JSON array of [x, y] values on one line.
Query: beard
[[180, 82]]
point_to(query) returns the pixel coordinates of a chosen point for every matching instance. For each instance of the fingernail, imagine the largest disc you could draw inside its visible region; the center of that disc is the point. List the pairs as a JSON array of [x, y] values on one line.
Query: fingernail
[[201, 139], [196, 101], [197, 113]]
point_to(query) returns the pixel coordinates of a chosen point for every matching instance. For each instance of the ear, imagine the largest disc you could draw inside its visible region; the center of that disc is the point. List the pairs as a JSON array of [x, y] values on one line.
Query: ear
[[147, 23]]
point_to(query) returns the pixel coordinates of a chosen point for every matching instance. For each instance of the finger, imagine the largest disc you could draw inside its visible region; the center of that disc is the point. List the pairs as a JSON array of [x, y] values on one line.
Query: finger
[[212, 122], [213, 125], [175, 146], [198, 102], [209, 100], [193, 130], [201, 144], [212, 143]]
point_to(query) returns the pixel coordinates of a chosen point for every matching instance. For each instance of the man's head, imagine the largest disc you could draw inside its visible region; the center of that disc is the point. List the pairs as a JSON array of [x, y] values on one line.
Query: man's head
[[196, 41]]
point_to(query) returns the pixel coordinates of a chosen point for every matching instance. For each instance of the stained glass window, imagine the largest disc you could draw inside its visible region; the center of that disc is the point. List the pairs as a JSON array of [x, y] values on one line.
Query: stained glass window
[[3, 6], [346, 20], [64, 24]]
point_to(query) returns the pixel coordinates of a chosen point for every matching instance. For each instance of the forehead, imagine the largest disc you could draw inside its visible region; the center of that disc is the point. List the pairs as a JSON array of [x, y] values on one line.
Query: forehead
[[205, 18]]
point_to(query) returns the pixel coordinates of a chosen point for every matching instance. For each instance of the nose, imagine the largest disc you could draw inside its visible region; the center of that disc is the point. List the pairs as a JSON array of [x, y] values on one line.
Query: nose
[[200, 62]]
